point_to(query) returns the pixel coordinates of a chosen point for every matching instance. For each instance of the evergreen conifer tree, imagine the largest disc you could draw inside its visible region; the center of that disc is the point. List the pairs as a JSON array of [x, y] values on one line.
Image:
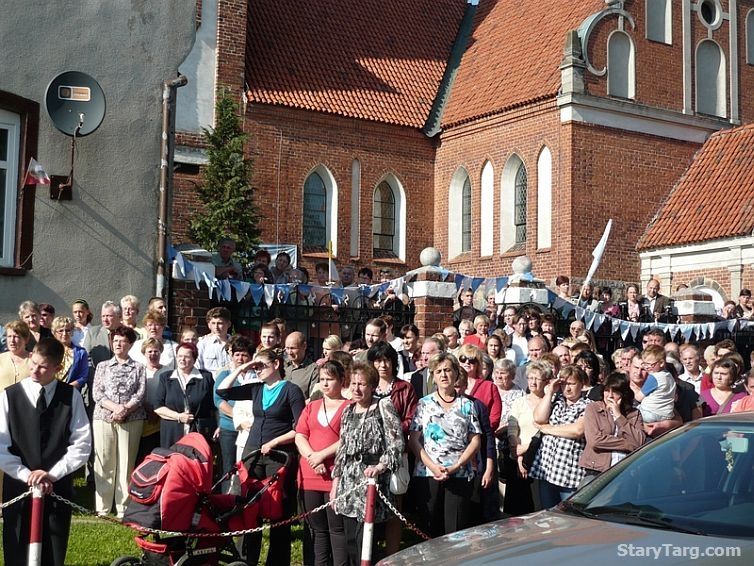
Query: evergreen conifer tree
[[225, 191]]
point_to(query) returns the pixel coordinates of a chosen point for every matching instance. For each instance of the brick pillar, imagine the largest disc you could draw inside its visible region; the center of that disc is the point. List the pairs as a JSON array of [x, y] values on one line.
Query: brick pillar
[[434, 301], [188, 306]]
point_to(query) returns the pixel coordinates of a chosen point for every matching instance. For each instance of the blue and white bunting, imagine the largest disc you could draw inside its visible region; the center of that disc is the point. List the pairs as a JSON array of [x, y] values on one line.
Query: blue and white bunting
[[257, 292], [351, 295], [269, 293], [241, 287]]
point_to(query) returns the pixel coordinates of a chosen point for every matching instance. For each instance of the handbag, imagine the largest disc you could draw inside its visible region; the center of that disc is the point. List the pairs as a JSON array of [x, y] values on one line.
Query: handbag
[[400, 478], [531, 451]]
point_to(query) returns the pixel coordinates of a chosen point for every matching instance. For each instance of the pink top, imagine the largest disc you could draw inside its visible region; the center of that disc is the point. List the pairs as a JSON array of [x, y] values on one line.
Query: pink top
[[321, 431], [711, 406]]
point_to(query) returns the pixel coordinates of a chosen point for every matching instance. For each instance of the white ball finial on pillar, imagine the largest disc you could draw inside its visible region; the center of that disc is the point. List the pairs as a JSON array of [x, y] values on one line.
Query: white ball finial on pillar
[[430, 257]]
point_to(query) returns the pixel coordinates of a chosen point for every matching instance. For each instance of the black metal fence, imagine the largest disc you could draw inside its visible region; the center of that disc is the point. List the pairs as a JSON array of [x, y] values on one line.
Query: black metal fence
[[317, 316]]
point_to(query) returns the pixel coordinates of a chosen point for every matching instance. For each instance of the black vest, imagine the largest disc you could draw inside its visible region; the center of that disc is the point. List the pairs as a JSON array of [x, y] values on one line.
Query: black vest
[[40, 440]]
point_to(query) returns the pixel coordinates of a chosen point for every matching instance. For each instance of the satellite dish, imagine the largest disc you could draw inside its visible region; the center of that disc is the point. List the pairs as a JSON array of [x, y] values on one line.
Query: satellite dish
[[75, 103]]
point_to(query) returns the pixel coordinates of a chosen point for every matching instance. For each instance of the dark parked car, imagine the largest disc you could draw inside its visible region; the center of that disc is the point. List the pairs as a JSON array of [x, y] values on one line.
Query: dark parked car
[[687, 497]]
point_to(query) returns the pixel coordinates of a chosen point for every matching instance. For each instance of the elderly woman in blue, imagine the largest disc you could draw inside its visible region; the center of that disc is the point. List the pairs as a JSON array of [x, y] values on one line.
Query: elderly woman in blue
[[445, 436]]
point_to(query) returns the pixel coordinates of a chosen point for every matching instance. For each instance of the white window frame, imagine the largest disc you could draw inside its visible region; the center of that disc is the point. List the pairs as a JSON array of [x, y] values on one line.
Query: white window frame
[[721, 93], [544, 199], [331, 214], [487, 228], [355, 207], [619, 66], [507, 202], [11, 122], [399, 197], [455, 212], [664, 9]]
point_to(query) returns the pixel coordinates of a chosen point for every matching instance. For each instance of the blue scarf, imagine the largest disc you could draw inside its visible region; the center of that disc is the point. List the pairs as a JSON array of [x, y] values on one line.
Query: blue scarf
[[270, 394]]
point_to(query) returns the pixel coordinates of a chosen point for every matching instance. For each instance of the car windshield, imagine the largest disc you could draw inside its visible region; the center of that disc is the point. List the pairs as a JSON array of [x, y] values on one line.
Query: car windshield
[[699, 479]]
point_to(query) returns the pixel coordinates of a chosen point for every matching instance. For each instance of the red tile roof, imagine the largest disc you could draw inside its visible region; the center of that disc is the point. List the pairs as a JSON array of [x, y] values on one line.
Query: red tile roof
[[715, 197], [379, 60], [513, 55]]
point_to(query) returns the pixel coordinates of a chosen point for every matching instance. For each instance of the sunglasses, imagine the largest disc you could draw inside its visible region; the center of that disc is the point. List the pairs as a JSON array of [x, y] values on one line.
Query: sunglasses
[[465, 360]]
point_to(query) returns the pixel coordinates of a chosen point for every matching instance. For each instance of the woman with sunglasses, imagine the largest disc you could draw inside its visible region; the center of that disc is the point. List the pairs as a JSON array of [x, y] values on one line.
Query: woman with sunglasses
[[317, 436], [277, 406], [75, 370], [473, 384], [485, 496], [470, 358]]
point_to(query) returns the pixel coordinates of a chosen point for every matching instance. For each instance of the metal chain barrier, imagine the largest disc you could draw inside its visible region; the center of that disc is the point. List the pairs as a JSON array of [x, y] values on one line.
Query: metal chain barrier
[[147, 530], [16, 499], [401, 517], [295, 518]]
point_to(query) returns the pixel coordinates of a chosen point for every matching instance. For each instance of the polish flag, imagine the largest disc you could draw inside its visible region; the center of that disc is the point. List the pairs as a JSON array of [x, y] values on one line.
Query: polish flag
[[35, 174]]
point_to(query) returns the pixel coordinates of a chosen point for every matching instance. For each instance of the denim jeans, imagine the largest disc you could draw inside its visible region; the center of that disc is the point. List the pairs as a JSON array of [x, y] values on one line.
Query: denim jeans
[[551, 494], [228, 449]]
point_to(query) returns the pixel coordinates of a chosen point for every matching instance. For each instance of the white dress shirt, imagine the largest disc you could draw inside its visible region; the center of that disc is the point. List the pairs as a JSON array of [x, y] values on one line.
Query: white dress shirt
[[695, 381], [212, 353], [79, 444]]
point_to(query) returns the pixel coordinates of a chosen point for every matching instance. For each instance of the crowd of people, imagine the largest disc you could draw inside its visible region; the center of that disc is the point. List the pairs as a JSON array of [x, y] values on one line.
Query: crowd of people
[[651, 307], [494, 415]]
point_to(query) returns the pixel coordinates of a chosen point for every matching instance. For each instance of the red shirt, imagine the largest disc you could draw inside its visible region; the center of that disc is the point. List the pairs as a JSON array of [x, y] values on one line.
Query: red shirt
[[488, 393], [319, 436], [474, 340]]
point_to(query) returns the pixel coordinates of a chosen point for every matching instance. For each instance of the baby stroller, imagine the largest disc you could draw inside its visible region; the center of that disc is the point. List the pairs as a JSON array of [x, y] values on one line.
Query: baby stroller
[[171, 490]]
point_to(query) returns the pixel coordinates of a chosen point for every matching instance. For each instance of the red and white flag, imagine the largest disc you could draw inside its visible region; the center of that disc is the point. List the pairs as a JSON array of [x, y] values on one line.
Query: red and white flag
[[35, 174]]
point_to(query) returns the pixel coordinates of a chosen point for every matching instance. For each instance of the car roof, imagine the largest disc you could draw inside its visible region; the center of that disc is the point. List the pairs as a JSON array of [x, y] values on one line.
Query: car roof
[[743, 417]]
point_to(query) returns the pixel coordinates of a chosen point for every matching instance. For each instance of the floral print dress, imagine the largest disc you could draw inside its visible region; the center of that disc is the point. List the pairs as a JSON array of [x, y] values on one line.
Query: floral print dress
[[446, 433], [367, 439]]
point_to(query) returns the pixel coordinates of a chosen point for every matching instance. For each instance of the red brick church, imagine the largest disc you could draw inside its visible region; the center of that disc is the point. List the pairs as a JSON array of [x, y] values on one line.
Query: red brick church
[[487, 129]]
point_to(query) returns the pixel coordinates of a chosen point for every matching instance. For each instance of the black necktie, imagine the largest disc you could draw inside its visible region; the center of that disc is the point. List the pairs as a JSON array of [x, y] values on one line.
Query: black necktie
[[42, 401]]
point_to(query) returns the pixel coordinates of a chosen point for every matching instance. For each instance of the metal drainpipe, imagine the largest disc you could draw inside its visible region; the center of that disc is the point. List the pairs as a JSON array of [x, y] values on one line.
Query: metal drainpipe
[[168, 88]]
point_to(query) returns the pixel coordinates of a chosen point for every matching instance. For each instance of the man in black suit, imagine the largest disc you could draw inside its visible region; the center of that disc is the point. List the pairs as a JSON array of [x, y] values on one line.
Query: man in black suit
[[421, 380], [655, 303]]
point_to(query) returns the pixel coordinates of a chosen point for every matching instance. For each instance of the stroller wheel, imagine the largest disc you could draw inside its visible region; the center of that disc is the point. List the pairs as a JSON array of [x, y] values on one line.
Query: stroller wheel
[[126, 561]]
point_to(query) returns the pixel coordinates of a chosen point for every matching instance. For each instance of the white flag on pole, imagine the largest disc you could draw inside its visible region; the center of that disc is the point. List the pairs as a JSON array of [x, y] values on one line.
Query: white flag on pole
[[598, 251]]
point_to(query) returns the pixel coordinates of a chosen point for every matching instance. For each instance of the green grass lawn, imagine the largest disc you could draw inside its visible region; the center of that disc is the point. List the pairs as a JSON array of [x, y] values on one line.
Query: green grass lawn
[[95, 542]]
